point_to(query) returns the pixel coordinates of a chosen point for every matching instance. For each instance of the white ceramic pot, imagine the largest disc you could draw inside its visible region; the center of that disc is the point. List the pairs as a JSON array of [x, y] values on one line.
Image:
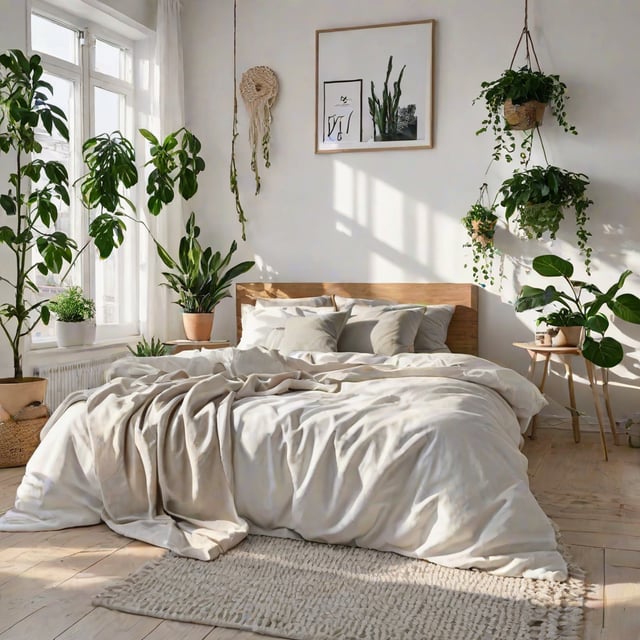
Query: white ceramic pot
[[75, 334], [633, 435]]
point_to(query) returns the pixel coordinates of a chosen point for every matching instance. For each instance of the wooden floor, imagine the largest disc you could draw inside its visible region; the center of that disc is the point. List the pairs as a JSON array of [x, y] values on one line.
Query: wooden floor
[[47, 579]]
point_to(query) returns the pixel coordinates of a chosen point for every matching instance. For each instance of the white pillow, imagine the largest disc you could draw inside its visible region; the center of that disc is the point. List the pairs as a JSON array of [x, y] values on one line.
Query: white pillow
[[343, 303], [313, 301], [263, 327]]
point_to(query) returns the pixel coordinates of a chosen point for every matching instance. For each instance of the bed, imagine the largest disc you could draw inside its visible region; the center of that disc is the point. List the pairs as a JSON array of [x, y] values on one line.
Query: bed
[[415, 453]]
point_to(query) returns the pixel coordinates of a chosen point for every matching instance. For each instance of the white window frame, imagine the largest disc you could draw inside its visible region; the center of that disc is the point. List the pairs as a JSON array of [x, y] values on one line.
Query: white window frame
[[86, 79]]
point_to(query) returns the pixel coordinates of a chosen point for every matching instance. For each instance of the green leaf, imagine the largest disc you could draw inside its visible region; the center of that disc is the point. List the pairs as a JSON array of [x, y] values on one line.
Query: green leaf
[[552, 266], [147, 135], [627, 307], [598, 323], [606, 353]]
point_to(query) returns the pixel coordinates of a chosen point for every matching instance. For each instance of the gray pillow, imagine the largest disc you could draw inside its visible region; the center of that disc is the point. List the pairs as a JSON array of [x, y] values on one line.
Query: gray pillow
[[432, 333], [313, 301], [313, 333], [381, 330]]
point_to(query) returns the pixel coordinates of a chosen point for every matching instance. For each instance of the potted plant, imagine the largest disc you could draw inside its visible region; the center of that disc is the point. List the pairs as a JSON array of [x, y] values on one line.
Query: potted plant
[[602, 350], [632, 428], [38, 187], [537, 198], [75, 318], [384, 113], [567, 327], [201, 278], [145, 349], [480, 223], [517, 101]]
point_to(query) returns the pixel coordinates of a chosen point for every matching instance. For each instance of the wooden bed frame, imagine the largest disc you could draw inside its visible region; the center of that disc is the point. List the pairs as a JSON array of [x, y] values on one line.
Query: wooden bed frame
[[463, 330]]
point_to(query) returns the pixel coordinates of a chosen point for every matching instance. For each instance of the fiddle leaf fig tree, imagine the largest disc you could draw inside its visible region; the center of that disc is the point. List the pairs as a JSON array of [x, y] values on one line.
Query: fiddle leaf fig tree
[[35, 191], [602, 350]]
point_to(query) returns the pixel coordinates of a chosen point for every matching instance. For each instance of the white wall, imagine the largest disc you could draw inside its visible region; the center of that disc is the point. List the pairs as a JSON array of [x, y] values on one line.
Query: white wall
[[394, 215]]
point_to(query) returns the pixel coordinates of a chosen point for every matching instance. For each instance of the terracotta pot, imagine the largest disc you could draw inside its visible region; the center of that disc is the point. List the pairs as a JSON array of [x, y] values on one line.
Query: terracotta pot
[[17, 393], [197, 326], [568, 337], [527, 115], [74, 334]]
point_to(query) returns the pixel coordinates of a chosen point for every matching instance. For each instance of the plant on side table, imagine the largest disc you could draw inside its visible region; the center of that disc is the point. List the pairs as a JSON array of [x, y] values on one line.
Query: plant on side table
[[537, 198], [201, 278], [598, 348], [75, 318]]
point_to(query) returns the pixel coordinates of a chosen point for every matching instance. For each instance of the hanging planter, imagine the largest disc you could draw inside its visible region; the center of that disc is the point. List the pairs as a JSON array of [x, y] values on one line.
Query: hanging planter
[[525, 116], [480, 223], [536, 200], [517, 101]]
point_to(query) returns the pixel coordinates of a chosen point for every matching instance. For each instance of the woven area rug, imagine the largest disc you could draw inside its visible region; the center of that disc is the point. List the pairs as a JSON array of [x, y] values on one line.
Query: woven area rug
[[308, 591]]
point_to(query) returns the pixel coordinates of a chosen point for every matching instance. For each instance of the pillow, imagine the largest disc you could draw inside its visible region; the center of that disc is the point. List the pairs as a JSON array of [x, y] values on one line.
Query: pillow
[[343, 303], [313, 301], [263, 327], [313, 333], [381, 330], [432, 333]]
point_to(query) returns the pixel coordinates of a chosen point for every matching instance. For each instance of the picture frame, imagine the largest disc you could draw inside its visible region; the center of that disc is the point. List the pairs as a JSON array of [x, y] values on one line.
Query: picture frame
[[374, 59]]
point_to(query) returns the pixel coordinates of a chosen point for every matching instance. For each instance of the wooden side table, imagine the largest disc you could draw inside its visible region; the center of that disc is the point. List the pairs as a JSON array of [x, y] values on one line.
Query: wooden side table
[[176, 346], [534, 350]]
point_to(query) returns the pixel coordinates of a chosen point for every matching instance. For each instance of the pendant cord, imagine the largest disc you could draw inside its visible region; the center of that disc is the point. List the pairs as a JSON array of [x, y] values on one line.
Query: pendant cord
[[528, 41]]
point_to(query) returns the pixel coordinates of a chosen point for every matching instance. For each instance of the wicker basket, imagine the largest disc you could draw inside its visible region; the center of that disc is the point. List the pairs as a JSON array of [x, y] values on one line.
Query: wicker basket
[[18, 440], [527, 115]]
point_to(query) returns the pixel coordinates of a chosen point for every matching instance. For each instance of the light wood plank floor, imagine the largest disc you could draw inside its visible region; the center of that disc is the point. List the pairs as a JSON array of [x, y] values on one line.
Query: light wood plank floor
[[47, 579]]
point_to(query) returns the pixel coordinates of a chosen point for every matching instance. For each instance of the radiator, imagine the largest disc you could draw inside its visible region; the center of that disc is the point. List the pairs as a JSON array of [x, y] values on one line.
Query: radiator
[[73, 376]]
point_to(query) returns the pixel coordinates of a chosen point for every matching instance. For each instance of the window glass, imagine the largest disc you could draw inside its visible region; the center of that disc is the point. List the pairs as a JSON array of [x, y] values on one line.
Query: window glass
[[54, 39], [109, 59]]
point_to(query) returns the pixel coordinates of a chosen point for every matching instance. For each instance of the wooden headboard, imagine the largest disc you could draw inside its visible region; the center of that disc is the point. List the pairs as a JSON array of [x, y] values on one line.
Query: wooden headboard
[[463, 330]]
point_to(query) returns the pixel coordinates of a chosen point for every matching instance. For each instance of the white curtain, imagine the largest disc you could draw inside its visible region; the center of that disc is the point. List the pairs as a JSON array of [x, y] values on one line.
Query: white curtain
[[163, 93]]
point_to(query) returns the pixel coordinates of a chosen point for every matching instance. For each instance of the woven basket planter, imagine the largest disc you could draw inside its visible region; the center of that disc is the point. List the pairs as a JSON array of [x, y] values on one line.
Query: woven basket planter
[[527, 115], [18, 440]]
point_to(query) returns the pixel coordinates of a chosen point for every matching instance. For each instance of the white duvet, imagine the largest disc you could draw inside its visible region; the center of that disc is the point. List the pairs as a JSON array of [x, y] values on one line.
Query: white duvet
[[416, 454]]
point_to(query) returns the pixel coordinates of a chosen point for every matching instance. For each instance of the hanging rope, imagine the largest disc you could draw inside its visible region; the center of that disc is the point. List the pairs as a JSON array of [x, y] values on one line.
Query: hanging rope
[[525, 35], [233, 171], [259, 88]]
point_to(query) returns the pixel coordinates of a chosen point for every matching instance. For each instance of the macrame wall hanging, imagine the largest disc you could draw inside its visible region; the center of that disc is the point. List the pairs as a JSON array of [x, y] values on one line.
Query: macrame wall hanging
[[259, 89]]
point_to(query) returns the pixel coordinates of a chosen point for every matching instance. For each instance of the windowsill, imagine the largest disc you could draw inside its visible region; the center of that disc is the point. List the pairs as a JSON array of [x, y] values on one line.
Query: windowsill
[[48, 350]]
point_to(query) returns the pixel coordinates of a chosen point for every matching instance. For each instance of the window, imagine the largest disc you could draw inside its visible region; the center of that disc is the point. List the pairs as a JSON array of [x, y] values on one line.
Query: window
[[91, 74]]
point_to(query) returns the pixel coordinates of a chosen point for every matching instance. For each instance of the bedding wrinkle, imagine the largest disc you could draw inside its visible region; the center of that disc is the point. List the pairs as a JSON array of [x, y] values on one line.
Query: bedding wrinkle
[[415, 454]]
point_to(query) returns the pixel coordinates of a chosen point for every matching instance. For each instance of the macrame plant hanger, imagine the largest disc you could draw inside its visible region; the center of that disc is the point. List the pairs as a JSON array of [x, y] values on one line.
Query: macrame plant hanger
[[525, 37]]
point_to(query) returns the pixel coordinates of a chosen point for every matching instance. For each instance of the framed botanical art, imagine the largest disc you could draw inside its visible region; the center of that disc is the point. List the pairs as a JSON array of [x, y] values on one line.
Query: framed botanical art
[[374, 87]]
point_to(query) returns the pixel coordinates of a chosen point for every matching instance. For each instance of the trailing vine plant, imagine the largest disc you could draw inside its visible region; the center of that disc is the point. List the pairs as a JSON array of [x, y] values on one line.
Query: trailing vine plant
[[480, 222], [233, 170]]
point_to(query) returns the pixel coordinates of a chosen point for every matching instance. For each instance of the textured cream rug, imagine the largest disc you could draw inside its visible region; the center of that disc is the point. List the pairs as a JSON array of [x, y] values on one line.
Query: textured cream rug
[[309, 591]]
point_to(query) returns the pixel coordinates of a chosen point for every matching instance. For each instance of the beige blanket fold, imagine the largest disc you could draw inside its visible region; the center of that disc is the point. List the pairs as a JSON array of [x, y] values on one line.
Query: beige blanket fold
[[162, 454]]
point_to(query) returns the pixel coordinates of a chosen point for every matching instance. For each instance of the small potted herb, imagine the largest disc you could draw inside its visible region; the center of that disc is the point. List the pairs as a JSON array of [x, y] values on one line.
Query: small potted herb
[[537, 198], [567, 327], [480, 223], [75, 318], [516, 101]]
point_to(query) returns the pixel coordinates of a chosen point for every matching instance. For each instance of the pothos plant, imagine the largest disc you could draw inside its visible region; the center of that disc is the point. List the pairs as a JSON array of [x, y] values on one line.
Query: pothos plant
[[520, 86], [480, 222], [537, 198]]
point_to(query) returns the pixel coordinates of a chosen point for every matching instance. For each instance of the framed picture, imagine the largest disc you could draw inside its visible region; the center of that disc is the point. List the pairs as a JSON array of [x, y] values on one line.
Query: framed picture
[[377, 82], [342, 111]]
